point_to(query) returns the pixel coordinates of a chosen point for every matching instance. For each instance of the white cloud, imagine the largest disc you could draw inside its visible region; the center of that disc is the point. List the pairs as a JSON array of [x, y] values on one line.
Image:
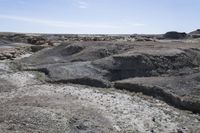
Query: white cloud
[[74, 27], [83, 4], [61, 24]]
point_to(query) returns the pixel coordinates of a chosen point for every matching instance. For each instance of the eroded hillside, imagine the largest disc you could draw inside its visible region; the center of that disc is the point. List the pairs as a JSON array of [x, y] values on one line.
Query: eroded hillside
[[99, 83]]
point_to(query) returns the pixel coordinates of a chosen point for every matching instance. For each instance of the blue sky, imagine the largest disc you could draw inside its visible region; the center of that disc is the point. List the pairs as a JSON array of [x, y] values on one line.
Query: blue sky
[[99, 16]]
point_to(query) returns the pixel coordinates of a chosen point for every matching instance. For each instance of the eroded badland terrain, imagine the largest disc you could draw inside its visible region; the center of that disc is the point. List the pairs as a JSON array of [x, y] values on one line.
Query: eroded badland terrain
[[100, 83]]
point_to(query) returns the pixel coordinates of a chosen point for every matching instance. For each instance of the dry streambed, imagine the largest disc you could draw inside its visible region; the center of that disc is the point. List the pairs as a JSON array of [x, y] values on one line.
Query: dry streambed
[[29, 105]]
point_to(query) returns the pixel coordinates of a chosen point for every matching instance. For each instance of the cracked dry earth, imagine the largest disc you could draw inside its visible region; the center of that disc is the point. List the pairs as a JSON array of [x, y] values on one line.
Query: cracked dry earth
[[29, 105]]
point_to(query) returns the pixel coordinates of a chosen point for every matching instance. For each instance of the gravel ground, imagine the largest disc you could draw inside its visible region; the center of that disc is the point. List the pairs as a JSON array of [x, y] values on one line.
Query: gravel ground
[[35, 106]]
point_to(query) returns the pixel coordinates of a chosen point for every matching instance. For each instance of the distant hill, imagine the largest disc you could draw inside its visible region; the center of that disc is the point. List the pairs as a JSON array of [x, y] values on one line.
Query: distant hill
[[175, 35], [195, 32]]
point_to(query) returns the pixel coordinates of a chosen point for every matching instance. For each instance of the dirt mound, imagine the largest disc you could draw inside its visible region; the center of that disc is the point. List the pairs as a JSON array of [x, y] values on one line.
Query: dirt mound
[[175, 35], [74, 52]]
